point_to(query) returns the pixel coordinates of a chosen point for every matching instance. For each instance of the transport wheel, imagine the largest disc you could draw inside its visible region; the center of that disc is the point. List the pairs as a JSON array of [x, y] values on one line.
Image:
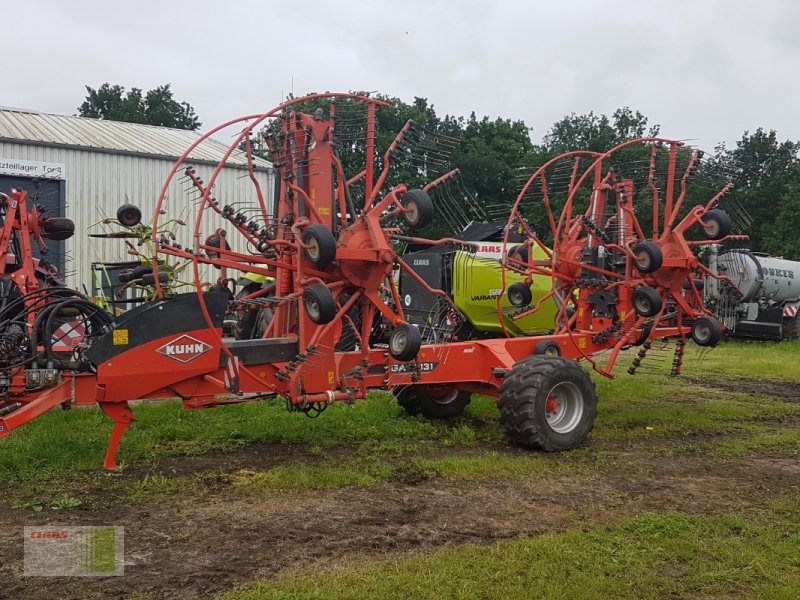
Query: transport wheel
[[433, 401], [519, 294], [250, 324], [547, 349], [706, 331], [419, 209], [717, 224], [547, 403], [319, 304], [649, 257], [129, 215], [647, 301], [321, 244], [58, 229], [405, 342]]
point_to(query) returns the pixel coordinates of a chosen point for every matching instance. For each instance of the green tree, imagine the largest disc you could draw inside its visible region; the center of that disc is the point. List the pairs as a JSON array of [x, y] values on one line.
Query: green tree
[[492, 156], [784, 238], [597, 132], [763, 171], [156, 107]]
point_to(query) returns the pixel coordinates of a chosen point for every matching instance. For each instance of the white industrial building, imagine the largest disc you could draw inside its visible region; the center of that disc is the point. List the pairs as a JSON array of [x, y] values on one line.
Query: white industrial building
[[86, 168]]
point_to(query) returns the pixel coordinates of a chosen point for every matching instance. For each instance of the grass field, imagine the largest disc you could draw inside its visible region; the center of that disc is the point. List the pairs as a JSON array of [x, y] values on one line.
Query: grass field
[[689, 487]]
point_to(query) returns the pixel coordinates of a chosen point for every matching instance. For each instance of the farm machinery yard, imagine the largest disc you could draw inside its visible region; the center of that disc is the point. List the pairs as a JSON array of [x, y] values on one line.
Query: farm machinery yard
[[337, 293], [337, 326]]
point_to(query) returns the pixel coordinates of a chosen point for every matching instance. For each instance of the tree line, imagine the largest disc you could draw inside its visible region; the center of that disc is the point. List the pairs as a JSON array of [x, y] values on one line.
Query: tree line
[[492, 154]]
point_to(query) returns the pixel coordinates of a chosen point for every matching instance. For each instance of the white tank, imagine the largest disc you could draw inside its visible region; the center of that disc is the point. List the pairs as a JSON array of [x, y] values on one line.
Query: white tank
[[759, 276]]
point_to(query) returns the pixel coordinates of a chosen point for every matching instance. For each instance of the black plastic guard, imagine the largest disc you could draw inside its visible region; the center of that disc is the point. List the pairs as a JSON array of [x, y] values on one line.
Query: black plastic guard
[[154, 320]]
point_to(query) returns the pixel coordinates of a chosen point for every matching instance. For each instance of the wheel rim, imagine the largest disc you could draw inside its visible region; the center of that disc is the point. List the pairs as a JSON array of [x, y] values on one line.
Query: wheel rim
[[552, 351], [312, 252], [642, 305], [412, 212], [712, 228], [702, 332], [312, 308], [564, 407], [442, 394], [399, 341], [643, 261], [515, 298]]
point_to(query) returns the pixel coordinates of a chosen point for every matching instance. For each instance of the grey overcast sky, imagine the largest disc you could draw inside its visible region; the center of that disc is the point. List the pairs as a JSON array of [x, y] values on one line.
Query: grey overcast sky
[[704, 70]]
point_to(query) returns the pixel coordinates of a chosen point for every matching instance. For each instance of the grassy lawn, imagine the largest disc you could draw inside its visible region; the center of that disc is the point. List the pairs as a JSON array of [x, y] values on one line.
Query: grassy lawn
[[654, 555], [254, 453], [62, 447]]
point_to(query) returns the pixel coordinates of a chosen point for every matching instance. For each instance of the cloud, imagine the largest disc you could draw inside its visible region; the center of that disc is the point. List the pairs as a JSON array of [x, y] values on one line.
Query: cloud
[[706, 70]]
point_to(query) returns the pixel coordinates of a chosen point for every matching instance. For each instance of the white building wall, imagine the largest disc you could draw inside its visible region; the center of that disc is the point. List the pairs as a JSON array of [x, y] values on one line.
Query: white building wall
[[97, 183]]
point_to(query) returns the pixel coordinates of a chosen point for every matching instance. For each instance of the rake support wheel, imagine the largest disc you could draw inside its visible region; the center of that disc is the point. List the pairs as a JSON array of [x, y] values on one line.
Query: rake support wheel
[[717, 224], [320, 245], [647, 302], [649, 257], [405, 342], [319, 304], [419, 209], [706, 332], [519, 294], [548, 403]]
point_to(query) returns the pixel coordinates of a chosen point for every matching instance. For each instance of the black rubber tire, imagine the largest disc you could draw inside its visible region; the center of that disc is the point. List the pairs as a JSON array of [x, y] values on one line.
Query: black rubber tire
[[649, 257], [519, 294], [717, 224], [791, 328], [524, 401], [129, 215], [698, 284], [547, 348], [520, 253], [323, 245], [135, 273], [150, 278], [216, 241], [319, 304], [250, 324], [706, 331], [57, 229], [405, 342], [647, 302], [433, 401], [420, 211]]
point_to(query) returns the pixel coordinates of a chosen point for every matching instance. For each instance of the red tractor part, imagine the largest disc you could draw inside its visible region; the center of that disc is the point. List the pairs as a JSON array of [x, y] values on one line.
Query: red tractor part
[[327, 243]]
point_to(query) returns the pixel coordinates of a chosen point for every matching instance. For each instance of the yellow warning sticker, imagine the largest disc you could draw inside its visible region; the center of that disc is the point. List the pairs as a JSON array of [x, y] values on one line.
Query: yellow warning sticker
[[331, 377], [582, 342], [120, 337]]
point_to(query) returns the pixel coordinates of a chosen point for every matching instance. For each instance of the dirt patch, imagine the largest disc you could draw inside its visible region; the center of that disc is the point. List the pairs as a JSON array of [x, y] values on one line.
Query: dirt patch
[[198, 545], [788, 391]]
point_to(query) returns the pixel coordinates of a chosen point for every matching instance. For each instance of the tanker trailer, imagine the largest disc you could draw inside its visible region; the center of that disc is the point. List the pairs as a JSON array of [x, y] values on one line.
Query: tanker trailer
[[764, 297]]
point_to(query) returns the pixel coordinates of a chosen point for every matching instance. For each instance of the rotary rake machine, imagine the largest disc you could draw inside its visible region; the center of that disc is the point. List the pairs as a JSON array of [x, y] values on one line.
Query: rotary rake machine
[[325, 244]]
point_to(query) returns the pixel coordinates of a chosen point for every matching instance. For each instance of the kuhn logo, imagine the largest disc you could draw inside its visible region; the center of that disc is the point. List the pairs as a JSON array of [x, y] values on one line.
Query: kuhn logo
[[184, 349]]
